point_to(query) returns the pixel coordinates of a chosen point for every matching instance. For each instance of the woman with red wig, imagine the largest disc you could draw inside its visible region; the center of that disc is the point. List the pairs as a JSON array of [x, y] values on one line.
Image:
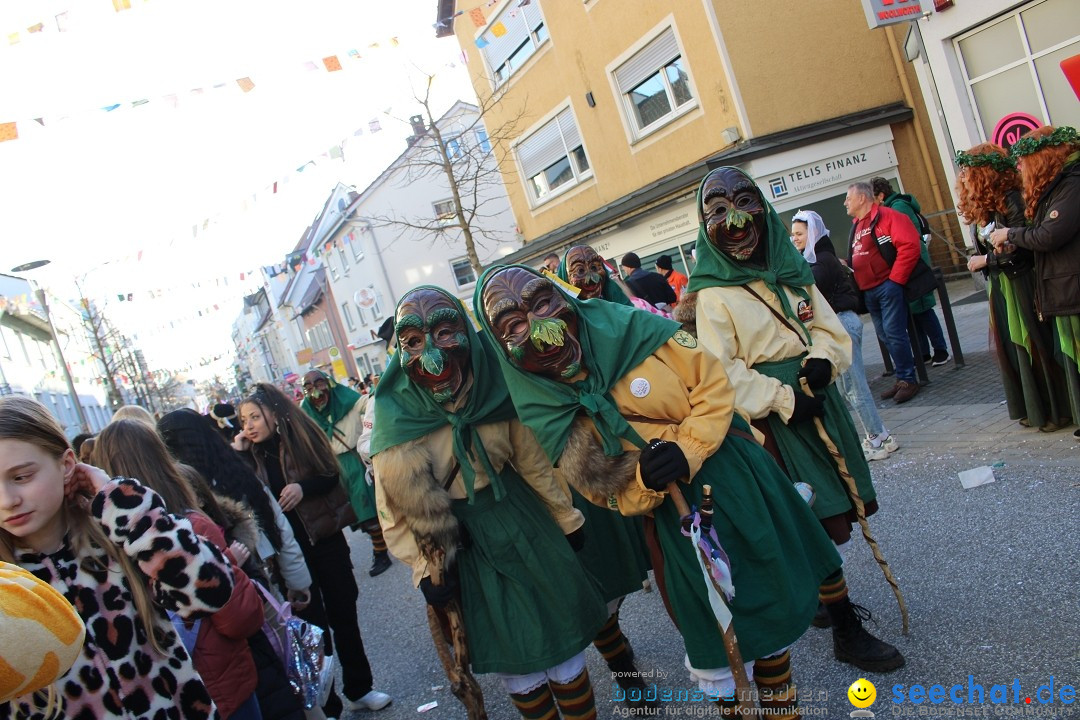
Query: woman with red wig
[[1048, 162], [988, 188]]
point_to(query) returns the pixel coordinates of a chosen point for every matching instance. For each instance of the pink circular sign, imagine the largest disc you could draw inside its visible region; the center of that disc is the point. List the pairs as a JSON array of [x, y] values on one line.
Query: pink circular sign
[[1012, 127]]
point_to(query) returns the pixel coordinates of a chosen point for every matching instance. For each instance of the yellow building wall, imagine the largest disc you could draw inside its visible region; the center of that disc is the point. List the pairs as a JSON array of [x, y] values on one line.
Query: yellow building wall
[[585, 39]]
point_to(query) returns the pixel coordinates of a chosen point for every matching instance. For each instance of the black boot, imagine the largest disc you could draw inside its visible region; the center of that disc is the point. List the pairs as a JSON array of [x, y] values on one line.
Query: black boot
[[821, 617], [380, 564], [624, 672], [853, 645]]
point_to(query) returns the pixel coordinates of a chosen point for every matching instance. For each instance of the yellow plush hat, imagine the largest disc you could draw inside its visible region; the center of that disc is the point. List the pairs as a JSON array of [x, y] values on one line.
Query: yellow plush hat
[[41, 635]]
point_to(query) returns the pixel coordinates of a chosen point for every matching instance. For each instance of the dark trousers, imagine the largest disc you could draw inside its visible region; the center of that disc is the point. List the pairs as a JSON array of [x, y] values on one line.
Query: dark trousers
[[333, 605]]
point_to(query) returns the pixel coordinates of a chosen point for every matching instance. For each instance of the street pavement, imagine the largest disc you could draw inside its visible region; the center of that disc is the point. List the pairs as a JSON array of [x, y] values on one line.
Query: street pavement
[[989, 574]]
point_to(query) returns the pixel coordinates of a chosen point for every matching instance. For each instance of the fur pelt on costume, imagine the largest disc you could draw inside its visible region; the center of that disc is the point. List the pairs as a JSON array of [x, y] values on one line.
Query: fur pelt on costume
[[589, 470], [241, 521], [406, 479], [686, 312]]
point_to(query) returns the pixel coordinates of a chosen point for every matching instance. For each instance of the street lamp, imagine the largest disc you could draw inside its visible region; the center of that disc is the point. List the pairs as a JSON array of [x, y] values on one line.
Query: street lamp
[[43, 301]]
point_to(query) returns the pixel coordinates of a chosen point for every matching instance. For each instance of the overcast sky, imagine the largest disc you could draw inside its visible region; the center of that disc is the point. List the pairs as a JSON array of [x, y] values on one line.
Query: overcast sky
[[89, 187]]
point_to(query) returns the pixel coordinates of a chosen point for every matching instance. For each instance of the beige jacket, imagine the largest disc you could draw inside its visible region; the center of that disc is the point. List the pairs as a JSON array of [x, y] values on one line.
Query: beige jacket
[[737, 328], [401, 483], [679, 393]]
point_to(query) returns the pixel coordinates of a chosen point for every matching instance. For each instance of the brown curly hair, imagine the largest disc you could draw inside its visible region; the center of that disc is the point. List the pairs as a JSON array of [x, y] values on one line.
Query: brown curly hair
[[981, 190], [1040, 168]]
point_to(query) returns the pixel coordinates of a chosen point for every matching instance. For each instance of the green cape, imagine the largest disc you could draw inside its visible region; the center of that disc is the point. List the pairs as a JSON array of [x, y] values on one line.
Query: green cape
[[406, 412], [612, 292], [614, 340], [342, 400], [786, 264]]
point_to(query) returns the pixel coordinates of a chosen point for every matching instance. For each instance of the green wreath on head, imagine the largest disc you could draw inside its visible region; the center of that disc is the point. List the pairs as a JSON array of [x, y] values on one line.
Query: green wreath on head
[[997, 161], [1026, 145]]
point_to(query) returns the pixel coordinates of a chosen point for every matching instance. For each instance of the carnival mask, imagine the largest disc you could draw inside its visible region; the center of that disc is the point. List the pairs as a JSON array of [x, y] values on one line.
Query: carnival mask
[[734, 213], [433, 342], [317, 389], [585, 270], [534, 323]]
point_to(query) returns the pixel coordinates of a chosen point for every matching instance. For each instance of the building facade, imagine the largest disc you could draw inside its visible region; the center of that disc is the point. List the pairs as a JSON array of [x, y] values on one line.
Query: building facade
[[401, 231], [993, 69], [625, 112]]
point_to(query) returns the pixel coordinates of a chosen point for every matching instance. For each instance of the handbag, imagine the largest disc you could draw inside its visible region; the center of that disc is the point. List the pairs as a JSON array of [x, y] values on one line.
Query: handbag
[[299, 645]]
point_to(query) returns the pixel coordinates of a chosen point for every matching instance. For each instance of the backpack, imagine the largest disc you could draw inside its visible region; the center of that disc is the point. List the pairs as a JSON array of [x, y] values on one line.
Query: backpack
[[924, 228]]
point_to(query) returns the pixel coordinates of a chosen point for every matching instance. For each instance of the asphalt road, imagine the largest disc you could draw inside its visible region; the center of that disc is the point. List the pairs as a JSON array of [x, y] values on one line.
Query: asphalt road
[[990, 576]]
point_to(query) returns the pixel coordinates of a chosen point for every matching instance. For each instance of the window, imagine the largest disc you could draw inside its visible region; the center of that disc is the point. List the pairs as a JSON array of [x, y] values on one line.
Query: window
[[444, 212], [347, 312], [329, 263], [344, 259], [1011, 64], [453, 148], [319, 337], [654, 85], [482, 140], [463, 272], [352, 238], [553, 157], [525, 32]]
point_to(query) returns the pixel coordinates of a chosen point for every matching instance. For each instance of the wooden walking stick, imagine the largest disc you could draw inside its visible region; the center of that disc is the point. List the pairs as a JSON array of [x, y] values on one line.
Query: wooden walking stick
[[743, 696], [453, 653], [860, 508]]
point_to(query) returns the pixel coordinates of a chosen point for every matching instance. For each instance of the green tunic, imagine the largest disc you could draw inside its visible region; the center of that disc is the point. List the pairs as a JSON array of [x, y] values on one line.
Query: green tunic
[[615, 552], [805, 455], [528, 602]]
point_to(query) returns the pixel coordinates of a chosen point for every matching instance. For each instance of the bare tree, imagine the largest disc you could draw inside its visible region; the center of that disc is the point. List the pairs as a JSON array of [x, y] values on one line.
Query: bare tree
[[451, 147], [102, 339]]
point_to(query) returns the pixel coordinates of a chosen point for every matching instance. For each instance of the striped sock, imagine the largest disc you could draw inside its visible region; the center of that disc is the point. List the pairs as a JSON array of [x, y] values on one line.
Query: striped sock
[[374, 531], [575, 698], [833, 589], [610, 641], [538, 704], [777, 696]]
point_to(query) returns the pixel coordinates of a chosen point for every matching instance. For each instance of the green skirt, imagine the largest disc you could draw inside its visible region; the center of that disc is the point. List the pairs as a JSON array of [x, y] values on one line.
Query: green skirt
[[779, 555], [615, 552], [353, 476], [805, 455], [528, 603]]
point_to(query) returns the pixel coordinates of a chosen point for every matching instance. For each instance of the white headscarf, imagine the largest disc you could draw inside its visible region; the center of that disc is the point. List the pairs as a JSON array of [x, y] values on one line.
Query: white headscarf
[[815, 230]]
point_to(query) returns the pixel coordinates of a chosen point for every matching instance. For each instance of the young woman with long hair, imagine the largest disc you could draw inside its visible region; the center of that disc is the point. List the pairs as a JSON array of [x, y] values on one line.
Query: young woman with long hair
[[293, 457], [218, 643], [114, 552], [988, 192], [1049, 162]]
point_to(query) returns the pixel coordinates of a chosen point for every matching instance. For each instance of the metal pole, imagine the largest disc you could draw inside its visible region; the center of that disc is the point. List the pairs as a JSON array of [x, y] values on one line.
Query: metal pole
[[60, 358]]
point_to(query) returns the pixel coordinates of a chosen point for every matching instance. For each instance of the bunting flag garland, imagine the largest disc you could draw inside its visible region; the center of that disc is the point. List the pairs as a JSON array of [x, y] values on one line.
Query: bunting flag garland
[[246, 85], [332, 63], [498, 29], [8, 131], [477, 17]]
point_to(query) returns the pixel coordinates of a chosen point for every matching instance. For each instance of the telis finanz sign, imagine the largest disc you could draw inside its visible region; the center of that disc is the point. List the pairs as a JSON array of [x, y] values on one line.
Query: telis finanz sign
[[880, 13]]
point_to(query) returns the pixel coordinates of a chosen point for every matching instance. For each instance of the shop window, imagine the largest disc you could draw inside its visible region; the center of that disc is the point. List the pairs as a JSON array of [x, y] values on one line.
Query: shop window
[[553, 158], [654, 85], [1011, 64], [463, 272], [525, 33]]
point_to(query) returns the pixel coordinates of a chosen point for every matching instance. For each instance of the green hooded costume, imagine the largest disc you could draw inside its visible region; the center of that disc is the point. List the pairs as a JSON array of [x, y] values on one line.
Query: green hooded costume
[[353, 472], [779, 554], [611, 292], [528, 604], [804, 455]]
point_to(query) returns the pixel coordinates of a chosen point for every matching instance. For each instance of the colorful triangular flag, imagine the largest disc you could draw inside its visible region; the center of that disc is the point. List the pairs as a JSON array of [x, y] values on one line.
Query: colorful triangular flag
[[477, 17], [498, 29], [332, 63]]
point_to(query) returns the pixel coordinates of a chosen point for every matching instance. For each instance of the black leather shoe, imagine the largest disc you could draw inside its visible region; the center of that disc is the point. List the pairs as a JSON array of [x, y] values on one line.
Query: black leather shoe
[[852, 644]]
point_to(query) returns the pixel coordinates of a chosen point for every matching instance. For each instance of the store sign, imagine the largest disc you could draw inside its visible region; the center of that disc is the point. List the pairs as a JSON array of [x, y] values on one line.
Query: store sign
[[880, 13], [830, 171], [1012, 127]]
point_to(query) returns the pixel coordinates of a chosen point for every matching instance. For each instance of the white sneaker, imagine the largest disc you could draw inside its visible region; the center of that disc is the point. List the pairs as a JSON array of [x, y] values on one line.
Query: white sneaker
[[374, 700], [875, 453], [890, 443]]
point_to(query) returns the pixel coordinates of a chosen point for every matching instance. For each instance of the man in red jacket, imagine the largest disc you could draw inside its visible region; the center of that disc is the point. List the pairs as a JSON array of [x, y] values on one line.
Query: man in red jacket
[[883, 249]]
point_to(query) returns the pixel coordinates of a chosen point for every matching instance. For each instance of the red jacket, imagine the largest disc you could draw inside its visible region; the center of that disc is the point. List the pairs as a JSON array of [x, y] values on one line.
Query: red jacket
[[221, 655], [884, 225]]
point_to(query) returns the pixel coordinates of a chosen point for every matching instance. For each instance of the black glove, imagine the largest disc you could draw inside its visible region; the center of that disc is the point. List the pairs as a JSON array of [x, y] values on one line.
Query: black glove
[[806, 408], [577, 539], [818, 373], [438, 596], [662, 463]]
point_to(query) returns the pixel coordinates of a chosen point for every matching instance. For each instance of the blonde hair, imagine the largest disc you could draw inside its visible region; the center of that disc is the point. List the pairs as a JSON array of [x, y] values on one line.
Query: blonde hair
[[134, 412], [27, 420], [128, 448]]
